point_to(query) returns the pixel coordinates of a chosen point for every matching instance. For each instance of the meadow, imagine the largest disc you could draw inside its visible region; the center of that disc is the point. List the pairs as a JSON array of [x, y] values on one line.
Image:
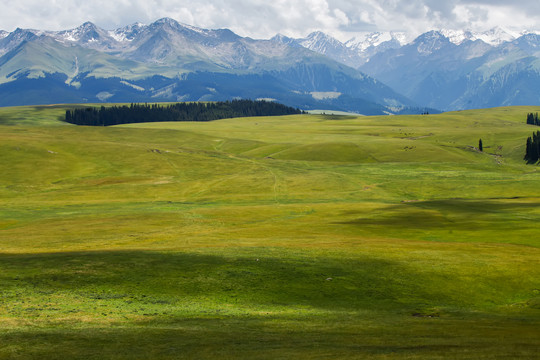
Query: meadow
[[304, 236]]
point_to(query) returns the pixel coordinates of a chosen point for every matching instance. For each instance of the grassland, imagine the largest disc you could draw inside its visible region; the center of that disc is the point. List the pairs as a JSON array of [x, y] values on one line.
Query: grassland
[[305, 237]]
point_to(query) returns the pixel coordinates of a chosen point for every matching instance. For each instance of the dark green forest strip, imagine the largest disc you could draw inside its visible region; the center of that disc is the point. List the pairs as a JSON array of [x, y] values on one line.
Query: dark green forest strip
[[139, 113]]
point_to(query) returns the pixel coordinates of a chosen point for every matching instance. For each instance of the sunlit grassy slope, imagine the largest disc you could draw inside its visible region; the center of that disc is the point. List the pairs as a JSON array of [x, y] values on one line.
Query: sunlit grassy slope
[[291, 237]]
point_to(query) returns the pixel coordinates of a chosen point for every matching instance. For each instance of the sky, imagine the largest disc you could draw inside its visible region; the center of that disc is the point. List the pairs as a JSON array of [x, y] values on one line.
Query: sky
[[262, 19]]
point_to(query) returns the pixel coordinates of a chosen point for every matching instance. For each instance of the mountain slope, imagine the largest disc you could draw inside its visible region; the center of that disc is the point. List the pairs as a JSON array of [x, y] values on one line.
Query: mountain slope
[[43, 55]]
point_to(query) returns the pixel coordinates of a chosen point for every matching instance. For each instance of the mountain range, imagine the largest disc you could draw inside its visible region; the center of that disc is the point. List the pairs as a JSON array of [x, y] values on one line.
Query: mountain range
[[374, 73], [169, 61], [447, 70]]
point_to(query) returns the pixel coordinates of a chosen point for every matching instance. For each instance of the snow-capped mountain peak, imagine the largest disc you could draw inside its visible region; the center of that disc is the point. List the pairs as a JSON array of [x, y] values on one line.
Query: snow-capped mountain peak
[[169, 61], [320, 42], [430, 42], [86, 33], [280, 38], [458, 37], [14, 39], [127, 33], [195, 29], [168, 23], [497, 36], [364, 41], [165, 21], [171, 26], [494, 37]]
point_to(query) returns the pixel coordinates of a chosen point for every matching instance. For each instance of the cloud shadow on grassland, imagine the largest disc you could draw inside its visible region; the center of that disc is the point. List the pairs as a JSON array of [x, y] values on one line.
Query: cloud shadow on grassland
[[362, 300], [453, 213], [253, 279]]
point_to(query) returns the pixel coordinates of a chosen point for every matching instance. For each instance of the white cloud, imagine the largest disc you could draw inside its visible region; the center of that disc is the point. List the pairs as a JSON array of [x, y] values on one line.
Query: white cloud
[[263, 19]]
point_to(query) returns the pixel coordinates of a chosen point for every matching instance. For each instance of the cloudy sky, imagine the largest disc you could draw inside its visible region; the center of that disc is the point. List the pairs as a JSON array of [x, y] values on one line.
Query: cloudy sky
[[264, 18]]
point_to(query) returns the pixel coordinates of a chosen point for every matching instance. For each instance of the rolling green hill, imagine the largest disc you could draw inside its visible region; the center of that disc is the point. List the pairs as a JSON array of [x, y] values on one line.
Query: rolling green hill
[[306, 236]]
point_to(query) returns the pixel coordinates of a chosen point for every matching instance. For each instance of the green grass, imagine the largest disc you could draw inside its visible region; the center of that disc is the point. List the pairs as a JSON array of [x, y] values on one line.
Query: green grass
[[292, 237]]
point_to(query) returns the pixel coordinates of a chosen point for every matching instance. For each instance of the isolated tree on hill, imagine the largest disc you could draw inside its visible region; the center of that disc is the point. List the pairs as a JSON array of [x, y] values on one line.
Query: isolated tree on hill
[[532, 119], [480, 146], [532, 150]]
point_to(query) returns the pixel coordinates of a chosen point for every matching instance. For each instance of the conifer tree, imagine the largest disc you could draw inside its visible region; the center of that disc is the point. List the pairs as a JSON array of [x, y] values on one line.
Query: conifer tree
[[532, 150]]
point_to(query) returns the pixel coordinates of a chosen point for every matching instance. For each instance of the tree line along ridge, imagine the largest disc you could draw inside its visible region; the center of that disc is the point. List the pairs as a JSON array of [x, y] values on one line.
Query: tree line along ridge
[[195, 111]]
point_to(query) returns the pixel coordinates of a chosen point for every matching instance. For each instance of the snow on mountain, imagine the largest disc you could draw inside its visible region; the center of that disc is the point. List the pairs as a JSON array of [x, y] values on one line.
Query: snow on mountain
[[497, 36], [127, 33], [14, 39], [196, 29], [168, 61], [458, 37], [320, 42], [529, 43], [86, 33], [452, 70], [172, 27], [360, 49], [368, 44], [493, 37], [364, 41], [431, 68], [430, 42], [324, 44], [280, 38]]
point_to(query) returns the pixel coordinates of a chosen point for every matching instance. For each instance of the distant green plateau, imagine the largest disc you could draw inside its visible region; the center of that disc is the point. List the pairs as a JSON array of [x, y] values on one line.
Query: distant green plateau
[[295, 237]]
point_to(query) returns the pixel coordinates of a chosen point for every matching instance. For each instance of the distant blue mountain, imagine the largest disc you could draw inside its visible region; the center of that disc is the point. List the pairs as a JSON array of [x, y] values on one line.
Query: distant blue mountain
[[472, 74], [448, 70]]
